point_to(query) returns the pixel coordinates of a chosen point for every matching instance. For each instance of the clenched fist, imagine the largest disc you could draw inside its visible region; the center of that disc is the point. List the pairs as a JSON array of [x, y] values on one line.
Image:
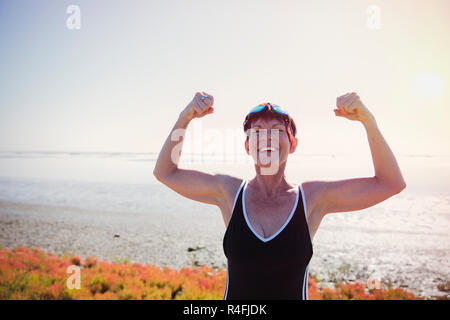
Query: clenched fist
[[351, 107], [200, 106]]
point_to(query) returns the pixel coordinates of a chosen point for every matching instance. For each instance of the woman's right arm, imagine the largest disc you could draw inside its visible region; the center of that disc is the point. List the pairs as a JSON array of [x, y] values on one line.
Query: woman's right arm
[[195, 185]]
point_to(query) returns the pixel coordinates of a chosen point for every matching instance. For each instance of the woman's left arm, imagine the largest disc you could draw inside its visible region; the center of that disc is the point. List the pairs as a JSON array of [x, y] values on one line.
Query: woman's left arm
[[384, 162], [387, 171], [359, 193]]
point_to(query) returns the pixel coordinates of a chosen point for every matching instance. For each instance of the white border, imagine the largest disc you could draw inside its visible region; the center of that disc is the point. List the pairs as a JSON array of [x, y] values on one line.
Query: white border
[[226, 287], [306, 213], [232, 210], [236, 196], [305, 284], [282, 227], [305, 278]]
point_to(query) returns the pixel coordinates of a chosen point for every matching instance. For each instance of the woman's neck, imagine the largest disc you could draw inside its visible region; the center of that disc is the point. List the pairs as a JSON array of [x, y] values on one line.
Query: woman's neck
[[270, 186]]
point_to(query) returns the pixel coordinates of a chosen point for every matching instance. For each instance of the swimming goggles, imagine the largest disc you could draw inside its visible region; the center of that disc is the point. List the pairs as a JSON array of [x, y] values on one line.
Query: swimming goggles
[[268, 106]]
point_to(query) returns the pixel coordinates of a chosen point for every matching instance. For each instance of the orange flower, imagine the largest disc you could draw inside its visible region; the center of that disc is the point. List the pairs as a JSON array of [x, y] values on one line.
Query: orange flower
[[37, 275]]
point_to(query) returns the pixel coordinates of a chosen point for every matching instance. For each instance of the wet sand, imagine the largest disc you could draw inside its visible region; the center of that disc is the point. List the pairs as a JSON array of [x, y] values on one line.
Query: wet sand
[[347, 246]]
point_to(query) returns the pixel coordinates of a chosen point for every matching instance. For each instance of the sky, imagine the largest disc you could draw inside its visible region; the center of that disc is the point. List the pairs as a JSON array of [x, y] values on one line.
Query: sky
[[119, 82]]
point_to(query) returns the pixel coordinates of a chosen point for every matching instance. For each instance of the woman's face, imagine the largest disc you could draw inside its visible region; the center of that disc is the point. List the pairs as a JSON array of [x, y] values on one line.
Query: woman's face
[[269, 143]]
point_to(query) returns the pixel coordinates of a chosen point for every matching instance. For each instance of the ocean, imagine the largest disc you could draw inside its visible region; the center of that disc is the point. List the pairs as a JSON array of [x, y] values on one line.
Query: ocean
[[405, 236], [125, 181]]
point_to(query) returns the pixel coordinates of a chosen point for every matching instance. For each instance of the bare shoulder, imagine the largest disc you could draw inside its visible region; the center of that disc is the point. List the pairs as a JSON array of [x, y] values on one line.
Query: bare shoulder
[[314, 205], [230, 186], [349, 194], [312, 191]]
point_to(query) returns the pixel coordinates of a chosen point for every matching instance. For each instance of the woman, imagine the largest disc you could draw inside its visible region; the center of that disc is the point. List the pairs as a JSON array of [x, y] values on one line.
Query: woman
[[271, 222]]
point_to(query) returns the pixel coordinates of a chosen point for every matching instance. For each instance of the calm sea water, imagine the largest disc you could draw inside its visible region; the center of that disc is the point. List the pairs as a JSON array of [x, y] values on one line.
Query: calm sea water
[[125, 182]]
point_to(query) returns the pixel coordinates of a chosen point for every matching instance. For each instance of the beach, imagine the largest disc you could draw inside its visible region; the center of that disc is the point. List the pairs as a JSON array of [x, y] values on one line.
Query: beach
[[403, 240]]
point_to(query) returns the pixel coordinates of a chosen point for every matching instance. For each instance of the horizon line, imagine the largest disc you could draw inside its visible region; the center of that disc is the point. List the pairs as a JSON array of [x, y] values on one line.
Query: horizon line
[[190, 153]]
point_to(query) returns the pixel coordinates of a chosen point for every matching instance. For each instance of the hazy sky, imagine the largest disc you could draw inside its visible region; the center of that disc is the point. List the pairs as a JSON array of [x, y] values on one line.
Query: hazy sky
[[120, 81]]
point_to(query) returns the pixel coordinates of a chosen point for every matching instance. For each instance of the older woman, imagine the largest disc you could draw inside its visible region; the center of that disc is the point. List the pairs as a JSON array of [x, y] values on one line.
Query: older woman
[[270, 221]]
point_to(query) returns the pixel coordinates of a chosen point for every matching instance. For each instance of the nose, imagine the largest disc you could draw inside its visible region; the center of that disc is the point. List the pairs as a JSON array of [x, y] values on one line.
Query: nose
[[266, 139], [269, 132]]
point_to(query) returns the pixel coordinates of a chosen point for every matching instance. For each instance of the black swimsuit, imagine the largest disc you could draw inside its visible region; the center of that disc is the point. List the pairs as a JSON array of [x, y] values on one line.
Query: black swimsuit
[[267, 268]]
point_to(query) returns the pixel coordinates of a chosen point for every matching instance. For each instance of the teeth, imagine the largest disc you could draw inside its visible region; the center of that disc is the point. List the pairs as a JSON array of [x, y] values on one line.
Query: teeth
[[267, 149]]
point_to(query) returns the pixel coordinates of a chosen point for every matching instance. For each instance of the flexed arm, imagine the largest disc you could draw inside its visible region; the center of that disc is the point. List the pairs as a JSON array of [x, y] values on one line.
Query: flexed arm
[[170, 153], [360, 193], [195, 185], [387, 171]]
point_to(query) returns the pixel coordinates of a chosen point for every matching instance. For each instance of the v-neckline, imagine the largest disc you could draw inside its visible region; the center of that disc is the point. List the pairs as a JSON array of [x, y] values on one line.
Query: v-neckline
[[249, 225]]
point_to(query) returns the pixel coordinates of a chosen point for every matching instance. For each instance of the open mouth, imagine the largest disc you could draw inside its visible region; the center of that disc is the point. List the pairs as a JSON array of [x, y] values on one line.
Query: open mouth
[[267, 149]]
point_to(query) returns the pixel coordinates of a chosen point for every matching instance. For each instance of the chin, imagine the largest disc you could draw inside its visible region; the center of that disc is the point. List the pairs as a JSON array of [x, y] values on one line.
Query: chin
[[270, 163], [269, 170]]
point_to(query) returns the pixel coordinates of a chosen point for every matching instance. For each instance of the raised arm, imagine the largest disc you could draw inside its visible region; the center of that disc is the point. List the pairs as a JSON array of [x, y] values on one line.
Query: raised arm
[[195, 185], [360, 193]]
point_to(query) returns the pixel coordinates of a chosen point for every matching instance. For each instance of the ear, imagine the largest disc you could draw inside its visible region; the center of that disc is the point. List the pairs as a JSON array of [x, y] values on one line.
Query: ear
[[294, 145], [246, 146]]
